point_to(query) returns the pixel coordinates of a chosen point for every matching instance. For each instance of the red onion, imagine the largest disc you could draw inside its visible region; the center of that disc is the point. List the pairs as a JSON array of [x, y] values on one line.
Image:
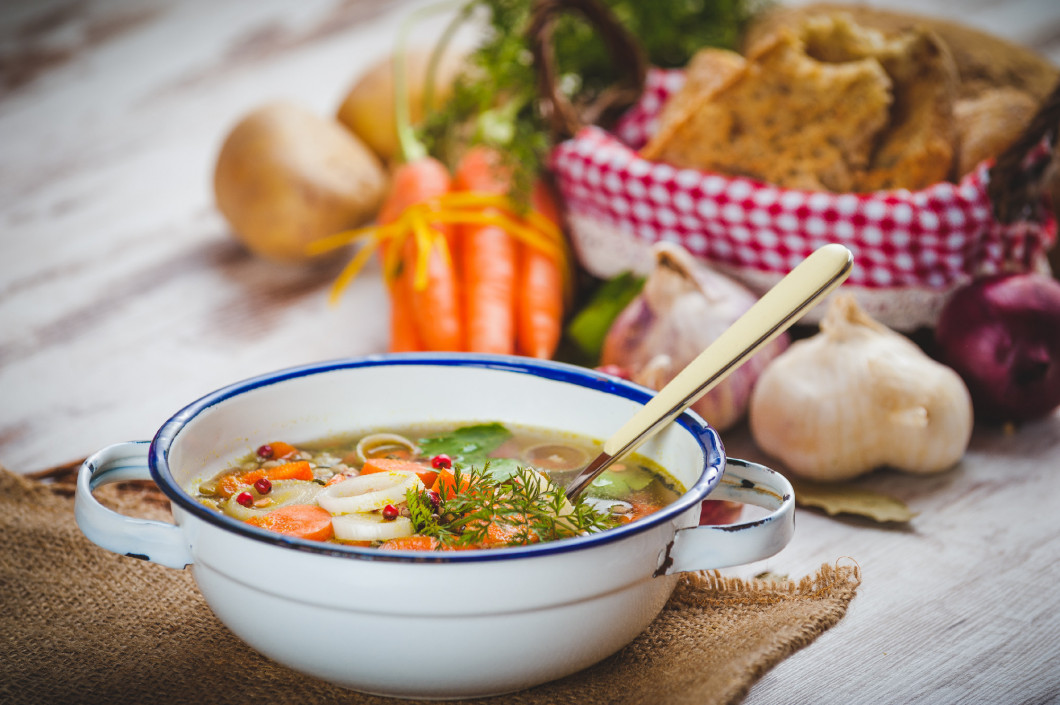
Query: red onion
[[1002, 336]]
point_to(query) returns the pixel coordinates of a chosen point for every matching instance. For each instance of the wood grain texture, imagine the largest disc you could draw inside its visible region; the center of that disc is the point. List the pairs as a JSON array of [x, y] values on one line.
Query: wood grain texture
[[123, 297]]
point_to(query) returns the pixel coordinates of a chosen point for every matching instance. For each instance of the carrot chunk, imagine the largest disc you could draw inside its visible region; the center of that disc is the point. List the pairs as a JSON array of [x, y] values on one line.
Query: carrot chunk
[[304, 521], [373, 465], [445, 484], [411, 543], [281, 450], [298, 470]]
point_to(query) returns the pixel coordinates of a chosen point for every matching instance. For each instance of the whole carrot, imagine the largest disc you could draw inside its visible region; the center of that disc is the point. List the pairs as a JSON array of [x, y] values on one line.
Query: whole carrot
[[539, 305], [404, 336], [424, 314], [487, 260]]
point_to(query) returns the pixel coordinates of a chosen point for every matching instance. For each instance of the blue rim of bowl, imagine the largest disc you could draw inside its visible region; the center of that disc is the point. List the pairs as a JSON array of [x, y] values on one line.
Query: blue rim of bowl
[[706, 436]]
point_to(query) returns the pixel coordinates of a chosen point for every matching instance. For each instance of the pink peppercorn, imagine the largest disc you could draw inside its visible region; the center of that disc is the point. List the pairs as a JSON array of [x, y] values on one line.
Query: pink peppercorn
[[245, 498], [441, 462]]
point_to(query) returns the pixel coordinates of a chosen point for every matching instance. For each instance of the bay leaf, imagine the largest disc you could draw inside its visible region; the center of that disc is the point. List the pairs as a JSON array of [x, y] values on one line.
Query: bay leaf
[[840, 498]]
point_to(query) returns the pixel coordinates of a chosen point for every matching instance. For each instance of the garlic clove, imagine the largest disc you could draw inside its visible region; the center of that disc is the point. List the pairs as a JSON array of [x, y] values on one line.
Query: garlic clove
[[913, 417], [656, 373], [683, 307]]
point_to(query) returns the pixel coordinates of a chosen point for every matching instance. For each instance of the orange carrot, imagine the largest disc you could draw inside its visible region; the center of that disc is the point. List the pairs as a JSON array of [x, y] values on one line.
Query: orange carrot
[[281, 449], [336, 479], [640, 510], [404, 336], [539, 306], [487, 260], [411, 543], [373, 465], [430, 307], [304, 521], [445, 484], [229, 485], [298, 470], [505, 534]]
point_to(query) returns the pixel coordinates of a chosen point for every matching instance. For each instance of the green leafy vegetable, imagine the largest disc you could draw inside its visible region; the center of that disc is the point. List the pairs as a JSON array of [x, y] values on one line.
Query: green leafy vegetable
[[502, 468], [588, 328], [671, 31], [615, 484], [467, 445], [495, 102]]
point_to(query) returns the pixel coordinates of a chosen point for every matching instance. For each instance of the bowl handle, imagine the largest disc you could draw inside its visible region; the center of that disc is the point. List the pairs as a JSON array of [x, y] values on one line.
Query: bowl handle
[[724, 545], [155, 541]]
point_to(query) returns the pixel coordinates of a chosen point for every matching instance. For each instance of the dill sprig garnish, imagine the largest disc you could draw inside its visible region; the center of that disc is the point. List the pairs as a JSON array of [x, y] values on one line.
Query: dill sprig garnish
[[521, 509]]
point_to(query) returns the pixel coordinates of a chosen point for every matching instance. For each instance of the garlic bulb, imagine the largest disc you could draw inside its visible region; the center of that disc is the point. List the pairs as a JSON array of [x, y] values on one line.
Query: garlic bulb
[[683, 307], [858, 396]]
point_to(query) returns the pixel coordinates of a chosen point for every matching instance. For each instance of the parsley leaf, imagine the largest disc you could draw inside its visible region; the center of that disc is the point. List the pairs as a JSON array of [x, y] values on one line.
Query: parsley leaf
[[467, 445]]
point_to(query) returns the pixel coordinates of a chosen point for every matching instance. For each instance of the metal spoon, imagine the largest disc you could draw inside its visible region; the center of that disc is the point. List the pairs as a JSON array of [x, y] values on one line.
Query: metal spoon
[[788, 300]]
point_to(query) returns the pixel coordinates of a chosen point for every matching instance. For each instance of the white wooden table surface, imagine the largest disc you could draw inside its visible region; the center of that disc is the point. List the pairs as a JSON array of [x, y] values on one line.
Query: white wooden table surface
[[123, 297]]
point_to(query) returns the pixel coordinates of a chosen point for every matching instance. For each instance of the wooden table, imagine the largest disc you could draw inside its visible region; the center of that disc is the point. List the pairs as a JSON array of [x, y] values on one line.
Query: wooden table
[[123, 297]]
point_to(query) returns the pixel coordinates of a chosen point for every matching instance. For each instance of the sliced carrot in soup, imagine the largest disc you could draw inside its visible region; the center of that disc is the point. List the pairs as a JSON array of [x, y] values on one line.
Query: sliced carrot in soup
[[304, 521]]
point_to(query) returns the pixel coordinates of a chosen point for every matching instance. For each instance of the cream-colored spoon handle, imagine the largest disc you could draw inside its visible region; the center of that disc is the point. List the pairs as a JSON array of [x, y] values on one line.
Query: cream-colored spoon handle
[[794, 295]]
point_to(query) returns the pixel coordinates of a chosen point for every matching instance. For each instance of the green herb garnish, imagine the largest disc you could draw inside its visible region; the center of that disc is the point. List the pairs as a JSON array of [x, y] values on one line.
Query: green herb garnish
[[524, 508]]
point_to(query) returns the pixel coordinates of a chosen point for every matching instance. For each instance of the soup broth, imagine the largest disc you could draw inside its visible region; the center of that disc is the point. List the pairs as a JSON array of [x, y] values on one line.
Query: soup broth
[[435, 487]]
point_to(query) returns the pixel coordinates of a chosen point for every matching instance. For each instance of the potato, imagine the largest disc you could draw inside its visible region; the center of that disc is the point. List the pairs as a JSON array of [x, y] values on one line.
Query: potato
[[286, 177], [368, 108]]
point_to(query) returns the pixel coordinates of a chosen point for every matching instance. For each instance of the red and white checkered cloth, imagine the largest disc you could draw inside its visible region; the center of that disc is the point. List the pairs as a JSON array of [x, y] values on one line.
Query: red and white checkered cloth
[[910, 248]]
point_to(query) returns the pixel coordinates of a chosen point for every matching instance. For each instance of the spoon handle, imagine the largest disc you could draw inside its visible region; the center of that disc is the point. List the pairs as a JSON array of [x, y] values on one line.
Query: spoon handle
[[788, 300]]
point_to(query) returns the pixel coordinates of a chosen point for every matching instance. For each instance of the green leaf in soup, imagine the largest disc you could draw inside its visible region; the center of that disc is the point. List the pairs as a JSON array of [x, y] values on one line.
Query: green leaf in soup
[[501, 469], [617, 484], [468, 444]]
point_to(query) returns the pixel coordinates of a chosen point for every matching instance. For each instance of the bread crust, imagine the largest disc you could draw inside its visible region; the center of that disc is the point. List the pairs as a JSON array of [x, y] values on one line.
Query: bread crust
[[983, 60], [783, 118]]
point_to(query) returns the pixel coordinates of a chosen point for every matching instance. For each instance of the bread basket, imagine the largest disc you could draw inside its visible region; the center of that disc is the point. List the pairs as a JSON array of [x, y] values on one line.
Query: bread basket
[[912, 249]]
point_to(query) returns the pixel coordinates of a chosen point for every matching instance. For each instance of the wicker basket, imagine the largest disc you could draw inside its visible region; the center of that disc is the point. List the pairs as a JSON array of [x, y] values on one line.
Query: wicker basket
[[911, 248]]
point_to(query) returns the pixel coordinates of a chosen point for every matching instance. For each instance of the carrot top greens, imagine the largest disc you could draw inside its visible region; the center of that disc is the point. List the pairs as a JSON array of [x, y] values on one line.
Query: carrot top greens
[[670, 32]]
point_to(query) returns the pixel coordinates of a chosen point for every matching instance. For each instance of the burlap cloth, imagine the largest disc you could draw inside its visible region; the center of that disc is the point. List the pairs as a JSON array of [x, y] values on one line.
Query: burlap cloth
[[79, 624]]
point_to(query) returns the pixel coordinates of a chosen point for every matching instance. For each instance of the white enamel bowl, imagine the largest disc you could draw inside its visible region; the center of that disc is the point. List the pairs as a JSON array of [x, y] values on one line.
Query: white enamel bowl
[[353, 616]]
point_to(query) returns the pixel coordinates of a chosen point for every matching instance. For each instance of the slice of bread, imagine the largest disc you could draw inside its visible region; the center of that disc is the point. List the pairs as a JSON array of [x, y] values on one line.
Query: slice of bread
[[917, 148], [983, 60], [988, 123], [785, 118], [707, 72]]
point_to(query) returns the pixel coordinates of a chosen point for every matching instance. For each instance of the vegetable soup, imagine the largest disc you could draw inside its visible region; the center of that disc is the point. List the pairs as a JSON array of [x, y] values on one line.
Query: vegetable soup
[[485, 485]]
